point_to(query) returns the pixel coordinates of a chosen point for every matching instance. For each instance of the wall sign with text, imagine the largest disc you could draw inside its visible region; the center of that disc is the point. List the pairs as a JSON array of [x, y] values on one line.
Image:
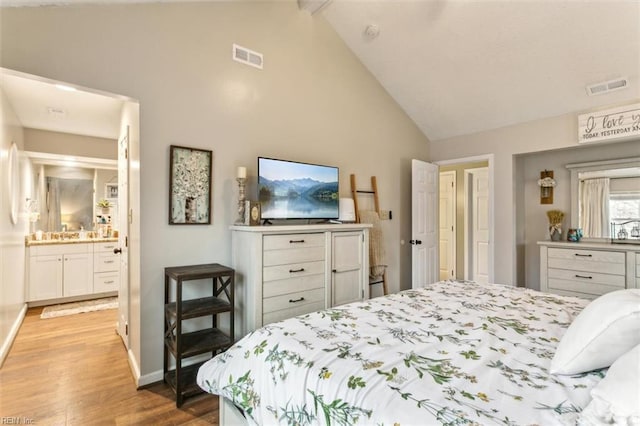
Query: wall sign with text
[[609, 125]]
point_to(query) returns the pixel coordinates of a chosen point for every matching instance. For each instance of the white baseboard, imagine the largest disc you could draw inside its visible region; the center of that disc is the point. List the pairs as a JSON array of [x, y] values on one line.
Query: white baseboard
[[150, 378], [6, 345], [133, 365]]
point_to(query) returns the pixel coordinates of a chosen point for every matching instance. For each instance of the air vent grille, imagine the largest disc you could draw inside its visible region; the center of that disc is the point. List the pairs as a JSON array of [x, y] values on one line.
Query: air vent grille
[[607, 86], [247, 56]]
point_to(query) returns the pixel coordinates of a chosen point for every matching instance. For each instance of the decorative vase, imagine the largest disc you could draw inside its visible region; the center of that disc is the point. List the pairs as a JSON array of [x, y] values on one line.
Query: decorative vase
[[555, 233]]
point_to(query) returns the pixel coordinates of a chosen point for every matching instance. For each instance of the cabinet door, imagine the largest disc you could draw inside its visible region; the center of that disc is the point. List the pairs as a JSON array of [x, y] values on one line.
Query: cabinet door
[[78, 274], [347, 284], [45, 277]]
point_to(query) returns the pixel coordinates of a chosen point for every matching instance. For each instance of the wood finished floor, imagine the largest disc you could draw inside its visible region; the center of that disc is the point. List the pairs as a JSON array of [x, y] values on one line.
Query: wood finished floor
[[73, 370]]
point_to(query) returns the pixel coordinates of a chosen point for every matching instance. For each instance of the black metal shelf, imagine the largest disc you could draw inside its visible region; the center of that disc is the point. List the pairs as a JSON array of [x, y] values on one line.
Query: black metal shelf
[[181, 345], [188, 376], [199, 342], [194, 308]]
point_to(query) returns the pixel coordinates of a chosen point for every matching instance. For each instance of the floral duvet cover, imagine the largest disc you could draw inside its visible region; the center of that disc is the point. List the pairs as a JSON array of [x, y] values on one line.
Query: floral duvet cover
[[453, 353]]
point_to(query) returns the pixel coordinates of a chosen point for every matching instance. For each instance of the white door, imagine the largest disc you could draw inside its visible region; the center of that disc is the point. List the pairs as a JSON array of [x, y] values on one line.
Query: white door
[[447, 218], [424, 223], [346, 267], [478, 224], [123, 236]]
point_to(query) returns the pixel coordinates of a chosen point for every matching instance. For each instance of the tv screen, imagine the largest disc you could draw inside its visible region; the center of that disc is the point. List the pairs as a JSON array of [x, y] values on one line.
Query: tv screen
[[292, 190]]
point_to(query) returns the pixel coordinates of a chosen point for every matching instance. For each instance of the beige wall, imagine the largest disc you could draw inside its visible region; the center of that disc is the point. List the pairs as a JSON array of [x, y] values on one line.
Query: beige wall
[[37, 140], [313, 102], [510, 201], [12, 249], [460, 206]]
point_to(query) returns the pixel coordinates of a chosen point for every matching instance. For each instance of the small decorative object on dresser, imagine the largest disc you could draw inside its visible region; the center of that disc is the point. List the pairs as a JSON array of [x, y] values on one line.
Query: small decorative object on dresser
[[574, 235], [251, 213], [242, 181], [555, 224]]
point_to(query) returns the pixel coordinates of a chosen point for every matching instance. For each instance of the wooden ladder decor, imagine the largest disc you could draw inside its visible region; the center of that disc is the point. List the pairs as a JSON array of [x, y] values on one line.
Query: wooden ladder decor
[[374, 191]]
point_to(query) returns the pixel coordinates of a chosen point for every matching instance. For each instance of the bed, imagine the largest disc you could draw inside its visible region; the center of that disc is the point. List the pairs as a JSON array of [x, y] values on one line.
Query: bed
[[457, 352]]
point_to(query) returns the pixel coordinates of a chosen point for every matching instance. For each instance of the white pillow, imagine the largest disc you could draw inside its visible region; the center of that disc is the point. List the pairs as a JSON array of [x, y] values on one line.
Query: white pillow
[[607, 328], [616, 399]]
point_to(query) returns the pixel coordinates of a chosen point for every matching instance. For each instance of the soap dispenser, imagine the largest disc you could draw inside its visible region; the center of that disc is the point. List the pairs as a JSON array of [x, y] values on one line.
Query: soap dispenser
[[82, 233]]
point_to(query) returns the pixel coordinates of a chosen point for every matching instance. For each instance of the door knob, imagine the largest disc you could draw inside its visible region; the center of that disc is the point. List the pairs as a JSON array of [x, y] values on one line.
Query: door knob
[[415, 242], [117, 250]]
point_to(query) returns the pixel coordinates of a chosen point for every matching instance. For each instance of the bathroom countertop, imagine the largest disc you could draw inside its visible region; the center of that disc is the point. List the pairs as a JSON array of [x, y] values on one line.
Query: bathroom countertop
[[69, 241]]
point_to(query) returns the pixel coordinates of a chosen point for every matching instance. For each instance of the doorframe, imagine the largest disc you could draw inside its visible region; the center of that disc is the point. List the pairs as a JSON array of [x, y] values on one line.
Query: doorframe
[[134, 256], [468, 219], [490, 159]]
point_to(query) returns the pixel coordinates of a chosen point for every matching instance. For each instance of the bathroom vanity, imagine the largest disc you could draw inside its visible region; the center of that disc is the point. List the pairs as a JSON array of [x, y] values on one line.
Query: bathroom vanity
[[72, 269]]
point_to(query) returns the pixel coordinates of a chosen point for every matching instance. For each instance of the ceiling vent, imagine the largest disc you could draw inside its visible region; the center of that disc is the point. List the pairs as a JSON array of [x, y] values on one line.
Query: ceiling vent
[[607, 86], [55, 112], [247, 56]]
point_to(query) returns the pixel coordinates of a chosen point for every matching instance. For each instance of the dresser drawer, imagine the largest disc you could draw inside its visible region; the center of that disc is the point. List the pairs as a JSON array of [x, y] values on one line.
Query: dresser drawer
[[588, 277], [279, 272], [290, 256], [289, 305], [292, 312], [574, 288], [587, 260], [105, 262], [106, 281], [291, 285], [292, 241]]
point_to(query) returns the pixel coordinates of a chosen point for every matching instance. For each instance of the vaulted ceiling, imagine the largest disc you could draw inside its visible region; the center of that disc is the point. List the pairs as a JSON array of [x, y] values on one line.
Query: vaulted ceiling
[[460, 67]]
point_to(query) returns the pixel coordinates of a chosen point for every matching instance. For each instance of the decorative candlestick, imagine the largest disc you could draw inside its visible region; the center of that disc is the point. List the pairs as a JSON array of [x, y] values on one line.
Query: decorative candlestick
[[241, 197]]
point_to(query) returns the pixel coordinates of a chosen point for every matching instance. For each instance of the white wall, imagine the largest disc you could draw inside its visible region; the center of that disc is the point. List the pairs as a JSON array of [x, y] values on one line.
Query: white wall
[[12, 248], [313, 102], [509, 181]]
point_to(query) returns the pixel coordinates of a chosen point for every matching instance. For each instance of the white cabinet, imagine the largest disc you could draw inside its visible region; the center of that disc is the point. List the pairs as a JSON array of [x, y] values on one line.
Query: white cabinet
[[586, 270], [45, 277], [60, 271], [347, 259], [106, 268], [284, 271]]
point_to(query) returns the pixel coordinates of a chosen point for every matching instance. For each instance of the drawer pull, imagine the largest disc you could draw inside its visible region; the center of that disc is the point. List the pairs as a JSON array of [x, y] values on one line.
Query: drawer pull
[[582, 255], [109, 282], [296, 241], [584, 276], [296, 270], [296, 301], [108, 261]]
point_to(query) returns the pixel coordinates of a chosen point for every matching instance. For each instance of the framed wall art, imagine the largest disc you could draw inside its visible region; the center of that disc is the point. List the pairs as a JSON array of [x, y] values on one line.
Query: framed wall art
[[189, 186], [111, 191]]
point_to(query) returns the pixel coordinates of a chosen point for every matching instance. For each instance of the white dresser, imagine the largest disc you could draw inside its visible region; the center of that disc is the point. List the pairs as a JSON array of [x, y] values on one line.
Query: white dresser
[[587, 269], [284, 271]]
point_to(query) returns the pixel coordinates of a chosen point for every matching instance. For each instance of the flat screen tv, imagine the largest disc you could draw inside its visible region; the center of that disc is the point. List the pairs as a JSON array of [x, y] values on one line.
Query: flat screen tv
[[293, 190]]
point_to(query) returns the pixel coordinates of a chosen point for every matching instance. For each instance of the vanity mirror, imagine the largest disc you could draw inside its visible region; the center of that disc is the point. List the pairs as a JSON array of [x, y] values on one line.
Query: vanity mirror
[[605, 195], [68, 190]]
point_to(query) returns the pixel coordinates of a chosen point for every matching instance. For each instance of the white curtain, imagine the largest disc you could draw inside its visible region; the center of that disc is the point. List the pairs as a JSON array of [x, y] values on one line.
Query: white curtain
[[594, 207], [53, 205]]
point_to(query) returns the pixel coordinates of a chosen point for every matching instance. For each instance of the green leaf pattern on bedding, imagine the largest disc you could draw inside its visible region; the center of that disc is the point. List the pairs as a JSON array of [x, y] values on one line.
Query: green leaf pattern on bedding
[[455, 353]]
